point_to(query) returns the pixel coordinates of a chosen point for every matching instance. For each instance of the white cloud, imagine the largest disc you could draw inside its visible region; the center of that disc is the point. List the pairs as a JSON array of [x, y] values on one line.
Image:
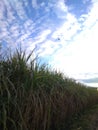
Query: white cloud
[[92, 17], [67, 30], [40, 42], [2, 9], [61, 6], [92, 84], [9, 13], [42, 37], [34, 4], [20, 11], [12, 30], [85, 1], [48, 48], [80, 55], [60, 9]]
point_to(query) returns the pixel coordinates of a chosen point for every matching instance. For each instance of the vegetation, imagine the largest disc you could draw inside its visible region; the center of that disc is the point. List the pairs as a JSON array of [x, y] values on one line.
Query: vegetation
[[87, 121], [35, 97]]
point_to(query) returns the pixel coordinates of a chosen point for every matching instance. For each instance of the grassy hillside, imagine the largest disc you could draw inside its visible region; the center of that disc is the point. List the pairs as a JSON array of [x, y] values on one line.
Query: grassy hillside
[[34, 97]]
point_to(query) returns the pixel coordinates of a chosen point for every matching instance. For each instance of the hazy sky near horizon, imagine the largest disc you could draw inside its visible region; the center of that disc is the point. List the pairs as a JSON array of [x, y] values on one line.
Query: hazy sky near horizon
[[64, 32]]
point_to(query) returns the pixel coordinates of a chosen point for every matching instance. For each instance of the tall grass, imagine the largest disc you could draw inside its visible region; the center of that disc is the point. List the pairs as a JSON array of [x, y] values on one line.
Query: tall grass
[[34, 97]]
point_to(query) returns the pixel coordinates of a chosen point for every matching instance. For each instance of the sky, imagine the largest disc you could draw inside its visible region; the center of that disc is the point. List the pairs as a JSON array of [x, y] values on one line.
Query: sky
[[64, 33]]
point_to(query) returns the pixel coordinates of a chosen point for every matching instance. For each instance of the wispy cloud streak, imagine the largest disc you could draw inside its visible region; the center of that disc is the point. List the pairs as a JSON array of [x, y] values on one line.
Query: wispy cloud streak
[[19, 24]]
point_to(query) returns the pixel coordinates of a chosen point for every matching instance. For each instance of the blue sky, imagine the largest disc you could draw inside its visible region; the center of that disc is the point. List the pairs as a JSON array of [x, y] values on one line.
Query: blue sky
[[64, 32]]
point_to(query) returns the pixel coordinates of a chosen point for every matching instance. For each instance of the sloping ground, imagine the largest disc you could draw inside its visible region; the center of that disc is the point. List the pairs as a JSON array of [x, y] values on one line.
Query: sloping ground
[[87, 121]]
